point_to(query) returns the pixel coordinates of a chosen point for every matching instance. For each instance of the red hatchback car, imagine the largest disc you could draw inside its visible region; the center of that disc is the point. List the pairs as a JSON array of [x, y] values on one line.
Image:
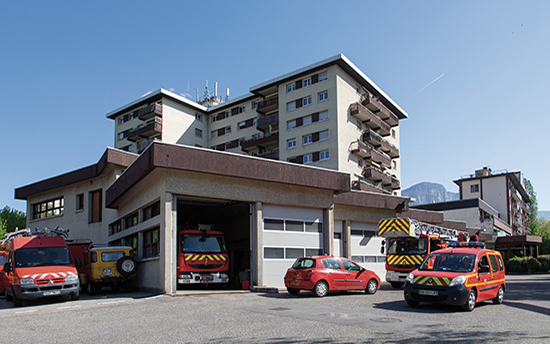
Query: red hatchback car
[[323, 274]]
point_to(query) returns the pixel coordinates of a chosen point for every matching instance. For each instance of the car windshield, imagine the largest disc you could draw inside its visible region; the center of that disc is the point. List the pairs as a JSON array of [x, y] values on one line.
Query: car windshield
[[42, 256], [304, 263], [403, 246], [199, 243], [452, 262]]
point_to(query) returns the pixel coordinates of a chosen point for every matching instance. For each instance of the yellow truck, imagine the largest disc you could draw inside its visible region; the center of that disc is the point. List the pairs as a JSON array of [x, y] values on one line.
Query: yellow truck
[[112, 266]]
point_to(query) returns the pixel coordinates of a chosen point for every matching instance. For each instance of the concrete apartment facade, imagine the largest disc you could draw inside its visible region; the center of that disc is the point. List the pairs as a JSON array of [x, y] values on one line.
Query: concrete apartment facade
[[234, 165]]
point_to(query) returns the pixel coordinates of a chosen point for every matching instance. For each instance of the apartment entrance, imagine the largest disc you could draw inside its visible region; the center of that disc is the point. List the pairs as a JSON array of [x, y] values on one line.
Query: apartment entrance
[[228, 216]]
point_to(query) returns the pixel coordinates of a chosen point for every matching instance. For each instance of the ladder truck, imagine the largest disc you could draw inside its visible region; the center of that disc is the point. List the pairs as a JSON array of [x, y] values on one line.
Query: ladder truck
[[408, 241]]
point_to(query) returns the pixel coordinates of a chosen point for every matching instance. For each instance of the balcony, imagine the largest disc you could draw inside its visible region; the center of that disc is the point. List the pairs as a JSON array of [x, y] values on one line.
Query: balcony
[[264, 123], [261, 142], [393, 183], [150, 111], [374, 175], [272, 154], [376, 140], [368, 152], [268, 105], [387, 116], [146, 132], [371, 120]]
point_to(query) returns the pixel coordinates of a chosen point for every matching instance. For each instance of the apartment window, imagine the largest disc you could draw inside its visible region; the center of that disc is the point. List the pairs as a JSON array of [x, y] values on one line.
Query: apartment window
[[213, 119], [291, 143], [79, 202], [290, 106], [308, 159], [306, 82], [49, 208], [228, 130], [95, 213], [291, 87], [307, 120], [307, 139], [254, 105], [393, 133], [474, 188], [306, 101], [241, 125], [291, 124], [323, 115], [358, 125], [324, 155], [213, 134], [198, 133], [323, 76], [151, 243], [121, 136], [323, 135], [323, 96], [359, 162], [394, 164], [151, 211]]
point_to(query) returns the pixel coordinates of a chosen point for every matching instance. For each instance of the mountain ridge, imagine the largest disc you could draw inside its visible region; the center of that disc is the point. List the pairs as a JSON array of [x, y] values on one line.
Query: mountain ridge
[[429, 192]]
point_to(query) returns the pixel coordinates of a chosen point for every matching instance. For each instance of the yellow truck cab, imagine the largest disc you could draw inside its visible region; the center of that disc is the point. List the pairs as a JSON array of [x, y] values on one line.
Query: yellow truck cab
[[112, 266]]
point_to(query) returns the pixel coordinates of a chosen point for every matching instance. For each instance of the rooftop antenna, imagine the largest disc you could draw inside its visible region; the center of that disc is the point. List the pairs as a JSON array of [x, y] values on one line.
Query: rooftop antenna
[[197, 94], [227, 94]]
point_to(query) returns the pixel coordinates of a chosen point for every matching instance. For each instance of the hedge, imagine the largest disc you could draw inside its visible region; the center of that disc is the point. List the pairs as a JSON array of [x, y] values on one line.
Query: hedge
[[528, 264]]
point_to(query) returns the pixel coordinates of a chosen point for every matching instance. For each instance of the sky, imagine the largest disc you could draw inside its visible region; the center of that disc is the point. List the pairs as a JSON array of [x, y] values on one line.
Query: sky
[[473, 76]]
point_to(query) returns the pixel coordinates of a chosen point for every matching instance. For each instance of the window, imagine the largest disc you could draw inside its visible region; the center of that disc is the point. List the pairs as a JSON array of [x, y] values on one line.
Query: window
[[324, 155], [293, 225], [95, 206], [121, 136], [307, 139], [198, 117], [290, 106], [474, 188], [228, 130], [306, 120], [274, 253], [331, 263], [151, 211], [213, 134], [323, 135], [49, 208], [306, 101], [308, 159], [115, 227], [291, 143], [131, 220], [241, 125], [213, 119], [306, 82], [323, 76], [291, 87], [274, 225], [198, 133], [291, 124], [393, 133], [79, 202], [293, 253], [314, 227], [151, 243], [323, 96], [254, 105], [323, 115]]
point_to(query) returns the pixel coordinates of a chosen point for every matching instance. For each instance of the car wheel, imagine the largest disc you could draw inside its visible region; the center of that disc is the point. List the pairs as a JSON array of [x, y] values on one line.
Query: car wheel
[[320, 289], [372, 286], [126, 265], [412, 303], [75, 296], [397, 285], [470, 301], [17, 302], [500, 296], [293, 291]]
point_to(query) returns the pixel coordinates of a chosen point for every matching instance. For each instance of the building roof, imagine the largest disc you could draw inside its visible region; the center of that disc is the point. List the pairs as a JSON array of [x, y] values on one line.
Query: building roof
[[459, 204], [111, 156], [515, 177]]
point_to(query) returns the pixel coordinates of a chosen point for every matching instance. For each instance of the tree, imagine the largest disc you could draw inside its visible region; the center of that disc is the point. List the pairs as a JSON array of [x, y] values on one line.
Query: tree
[[11, 219], [544, 232], [533, 212]]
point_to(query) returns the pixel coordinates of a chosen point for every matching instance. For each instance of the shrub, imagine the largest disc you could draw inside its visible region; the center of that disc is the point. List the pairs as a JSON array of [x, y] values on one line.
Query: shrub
[[514, 264], [545, 262], [532, 265]]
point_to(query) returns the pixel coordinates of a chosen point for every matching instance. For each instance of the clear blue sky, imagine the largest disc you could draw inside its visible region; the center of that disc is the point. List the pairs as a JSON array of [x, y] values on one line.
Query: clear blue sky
[[472, 75]]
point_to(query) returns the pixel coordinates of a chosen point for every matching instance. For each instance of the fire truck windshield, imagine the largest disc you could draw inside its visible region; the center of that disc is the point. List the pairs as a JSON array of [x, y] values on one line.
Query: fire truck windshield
[[404, 246], [452, 262], [42, 256], [198, 243]]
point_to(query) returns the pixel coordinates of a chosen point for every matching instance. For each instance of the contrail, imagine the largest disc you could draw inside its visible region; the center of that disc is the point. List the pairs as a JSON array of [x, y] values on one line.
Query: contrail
[[423, 88]]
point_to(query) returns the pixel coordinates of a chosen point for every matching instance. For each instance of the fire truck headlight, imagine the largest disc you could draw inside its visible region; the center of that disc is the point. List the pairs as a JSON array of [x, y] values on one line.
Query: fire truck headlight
[[69, 278], [26, 281], [410, 278], [458, 280], [186, 276], [223, 275]]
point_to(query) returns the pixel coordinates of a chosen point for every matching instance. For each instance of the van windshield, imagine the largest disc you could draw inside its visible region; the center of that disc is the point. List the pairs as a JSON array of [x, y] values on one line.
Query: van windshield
[[198, 243], [452, 262], [42, 256]]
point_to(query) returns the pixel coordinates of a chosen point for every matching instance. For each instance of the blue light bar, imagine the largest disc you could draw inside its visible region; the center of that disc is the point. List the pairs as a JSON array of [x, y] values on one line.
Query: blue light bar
[[466, 244]]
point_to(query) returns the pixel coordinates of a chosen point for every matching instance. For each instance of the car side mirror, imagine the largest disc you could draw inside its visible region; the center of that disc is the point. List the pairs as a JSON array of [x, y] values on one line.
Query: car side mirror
[[362, 270], [484, 269], [7, 267], [77, 263]]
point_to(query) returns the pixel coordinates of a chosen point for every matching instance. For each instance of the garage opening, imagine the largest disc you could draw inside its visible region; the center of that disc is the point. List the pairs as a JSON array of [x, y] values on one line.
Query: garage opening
[[203, 261]]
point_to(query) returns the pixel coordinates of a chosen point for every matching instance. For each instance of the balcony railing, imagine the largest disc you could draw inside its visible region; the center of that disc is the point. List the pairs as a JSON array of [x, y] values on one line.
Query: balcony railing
[[261, 141], [387, 116], [376, 140], [370, 119], [150, 111], [272, 154], [368, 152], [268, 105], [374, 175], [151, 129], [264, 123]]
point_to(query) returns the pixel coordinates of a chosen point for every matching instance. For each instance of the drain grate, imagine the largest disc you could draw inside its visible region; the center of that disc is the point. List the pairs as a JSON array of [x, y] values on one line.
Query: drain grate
[[386, 320]]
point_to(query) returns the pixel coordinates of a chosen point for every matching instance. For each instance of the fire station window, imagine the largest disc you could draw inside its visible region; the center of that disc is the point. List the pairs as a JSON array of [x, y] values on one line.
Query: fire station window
[[49, 208], [79, 202], [115, 227], [314, 227], [293, 253], [131, 220], [474, 188], [310, 252], [273, 225], [95, 206], [274, 253], [151, 211], [151, 243], [294, 226]]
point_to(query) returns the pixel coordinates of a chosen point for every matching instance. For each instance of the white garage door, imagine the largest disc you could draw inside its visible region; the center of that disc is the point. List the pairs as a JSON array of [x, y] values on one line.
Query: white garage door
[[289, 233]]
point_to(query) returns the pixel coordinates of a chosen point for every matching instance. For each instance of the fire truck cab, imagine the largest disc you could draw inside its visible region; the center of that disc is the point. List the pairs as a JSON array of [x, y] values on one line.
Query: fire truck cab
[[40, 265]]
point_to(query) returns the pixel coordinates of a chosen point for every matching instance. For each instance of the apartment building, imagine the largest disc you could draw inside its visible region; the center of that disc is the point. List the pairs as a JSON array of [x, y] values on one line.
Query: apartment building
[[329, 114]]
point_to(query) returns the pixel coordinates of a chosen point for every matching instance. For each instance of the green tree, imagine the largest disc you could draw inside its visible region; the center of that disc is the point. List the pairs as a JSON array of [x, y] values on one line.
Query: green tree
[[3, 228], [12, 219], [544, 232], [533, 210]]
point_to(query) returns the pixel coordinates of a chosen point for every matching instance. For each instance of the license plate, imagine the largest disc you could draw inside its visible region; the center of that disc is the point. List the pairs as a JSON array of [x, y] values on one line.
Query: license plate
[[107, 271], [51, 292], [428, 292], [294, 283]]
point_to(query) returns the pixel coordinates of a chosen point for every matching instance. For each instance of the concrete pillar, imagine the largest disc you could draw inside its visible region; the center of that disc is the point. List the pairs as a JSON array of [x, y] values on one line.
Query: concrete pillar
[[346, 235], [328, 230], [256, 244], [168, 238]]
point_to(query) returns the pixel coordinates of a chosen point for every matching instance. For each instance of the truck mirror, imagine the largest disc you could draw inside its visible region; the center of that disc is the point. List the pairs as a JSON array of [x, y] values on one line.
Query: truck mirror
[[77, 263], [7, 267], [382, 248]]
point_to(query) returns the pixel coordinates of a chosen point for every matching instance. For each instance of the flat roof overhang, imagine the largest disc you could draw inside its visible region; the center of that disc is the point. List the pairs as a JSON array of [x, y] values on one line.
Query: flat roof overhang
[[194, 159], [374, 200]]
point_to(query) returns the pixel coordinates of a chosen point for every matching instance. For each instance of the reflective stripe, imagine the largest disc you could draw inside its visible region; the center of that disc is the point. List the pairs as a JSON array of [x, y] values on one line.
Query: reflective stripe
[[394, 225]]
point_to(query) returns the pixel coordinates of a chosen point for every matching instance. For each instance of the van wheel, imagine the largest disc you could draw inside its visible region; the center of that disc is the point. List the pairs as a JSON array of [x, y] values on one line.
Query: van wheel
[[126, 266], [320, 289], [500, 296], [412, 303], [17, 302], [372, 287], [75, 296], [470, 301]]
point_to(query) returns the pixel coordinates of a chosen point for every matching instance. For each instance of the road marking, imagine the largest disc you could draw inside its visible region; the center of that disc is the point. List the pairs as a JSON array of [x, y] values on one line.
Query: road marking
[[69, 307], [29, 311], [107, 302]]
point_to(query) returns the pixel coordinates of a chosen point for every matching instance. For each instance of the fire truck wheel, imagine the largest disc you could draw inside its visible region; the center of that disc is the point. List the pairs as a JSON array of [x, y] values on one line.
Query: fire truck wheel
[[500, 296], [397, 285], [412, 303], [17, 302], [293, 291], [126, 265], [470, 301], [75, 296], [372, 287], [9, 297], [320, 289]]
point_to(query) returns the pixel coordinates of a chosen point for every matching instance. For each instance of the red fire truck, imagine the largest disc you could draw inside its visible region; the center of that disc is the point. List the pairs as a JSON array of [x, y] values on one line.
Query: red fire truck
[[408, 242], [39, 265], [202, 256]]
